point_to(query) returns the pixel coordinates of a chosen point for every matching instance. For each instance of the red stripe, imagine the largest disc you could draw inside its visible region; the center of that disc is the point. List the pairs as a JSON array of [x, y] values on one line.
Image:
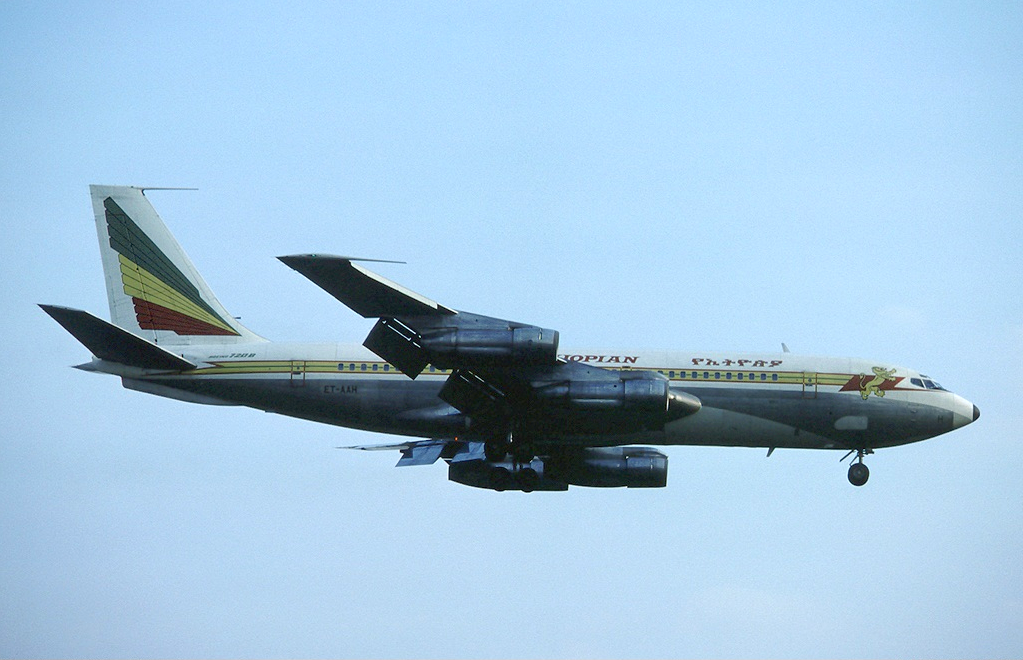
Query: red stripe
[[156, 317], [860, 382]]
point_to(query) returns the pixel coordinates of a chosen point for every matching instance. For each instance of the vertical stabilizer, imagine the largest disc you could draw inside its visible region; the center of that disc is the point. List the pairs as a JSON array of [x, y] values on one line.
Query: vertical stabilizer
[[153, 288]]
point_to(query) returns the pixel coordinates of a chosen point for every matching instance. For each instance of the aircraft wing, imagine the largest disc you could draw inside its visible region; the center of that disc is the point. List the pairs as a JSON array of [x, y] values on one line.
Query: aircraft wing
[[504, 374], [427, 452], [366, 293]]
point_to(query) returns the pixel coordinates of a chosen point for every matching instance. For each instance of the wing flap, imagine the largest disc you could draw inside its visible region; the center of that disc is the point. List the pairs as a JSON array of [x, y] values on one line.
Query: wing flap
[[363, 291], [415, 452], [422, 453]]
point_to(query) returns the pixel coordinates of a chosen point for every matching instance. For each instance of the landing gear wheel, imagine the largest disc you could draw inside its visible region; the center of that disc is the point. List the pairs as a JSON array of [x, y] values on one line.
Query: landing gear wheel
[[501, 479], [528, 480], [858, 474]]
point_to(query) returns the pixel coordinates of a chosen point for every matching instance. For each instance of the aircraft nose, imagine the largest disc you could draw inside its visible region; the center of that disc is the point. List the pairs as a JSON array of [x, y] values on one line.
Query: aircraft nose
[[963, 412]]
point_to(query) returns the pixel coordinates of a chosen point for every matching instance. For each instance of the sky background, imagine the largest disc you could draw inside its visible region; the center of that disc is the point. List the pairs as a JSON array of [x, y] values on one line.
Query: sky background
[[718, 176]]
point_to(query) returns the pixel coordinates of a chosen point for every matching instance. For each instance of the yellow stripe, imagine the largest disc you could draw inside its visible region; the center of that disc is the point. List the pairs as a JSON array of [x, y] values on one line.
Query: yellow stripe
[[147, 286], [140, 283], [331, 366]]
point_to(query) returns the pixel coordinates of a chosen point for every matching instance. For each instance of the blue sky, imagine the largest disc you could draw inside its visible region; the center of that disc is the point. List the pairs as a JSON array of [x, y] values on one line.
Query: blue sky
[[709, 177]]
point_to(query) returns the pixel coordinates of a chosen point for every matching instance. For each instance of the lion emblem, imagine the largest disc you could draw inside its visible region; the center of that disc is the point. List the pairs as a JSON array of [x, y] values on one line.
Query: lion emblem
[[870, 386]]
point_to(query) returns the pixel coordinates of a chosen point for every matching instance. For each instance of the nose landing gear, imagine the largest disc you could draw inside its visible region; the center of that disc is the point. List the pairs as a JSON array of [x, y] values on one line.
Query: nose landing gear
[[858, 472]]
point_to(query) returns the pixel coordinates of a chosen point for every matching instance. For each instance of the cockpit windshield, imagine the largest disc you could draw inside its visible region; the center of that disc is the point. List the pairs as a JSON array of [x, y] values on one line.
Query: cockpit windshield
[[926, 383]]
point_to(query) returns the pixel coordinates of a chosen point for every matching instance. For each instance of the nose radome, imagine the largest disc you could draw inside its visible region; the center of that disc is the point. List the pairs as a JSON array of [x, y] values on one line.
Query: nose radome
[[963, 412]]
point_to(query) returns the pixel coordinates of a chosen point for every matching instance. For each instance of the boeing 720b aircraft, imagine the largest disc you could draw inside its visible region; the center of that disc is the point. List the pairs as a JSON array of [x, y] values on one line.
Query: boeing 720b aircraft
[[501, 402]]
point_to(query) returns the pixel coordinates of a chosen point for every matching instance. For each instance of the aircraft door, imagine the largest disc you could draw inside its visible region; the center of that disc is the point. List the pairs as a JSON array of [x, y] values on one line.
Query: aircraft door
[[298, 368], [809, 385]]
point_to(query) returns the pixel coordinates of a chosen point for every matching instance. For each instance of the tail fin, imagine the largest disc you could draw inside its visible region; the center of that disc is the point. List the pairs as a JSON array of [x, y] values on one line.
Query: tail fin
[[153, 288]]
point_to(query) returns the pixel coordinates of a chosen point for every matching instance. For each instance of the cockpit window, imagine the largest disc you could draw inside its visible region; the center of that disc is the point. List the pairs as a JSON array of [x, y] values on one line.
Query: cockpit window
[[930, 384], [917, 382]]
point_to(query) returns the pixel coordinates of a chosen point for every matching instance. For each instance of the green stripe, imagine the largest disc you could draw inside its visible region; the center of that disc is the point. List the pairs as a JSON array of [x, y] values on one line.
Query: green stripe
[[127, 239]]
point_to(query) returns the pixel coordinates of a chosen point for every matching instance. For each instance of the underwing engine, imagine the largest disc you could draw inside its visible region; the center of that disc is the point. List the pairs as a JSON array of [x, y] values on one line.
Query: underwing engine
[[601, 401], [595, 467], [466, 341], [611, 467]]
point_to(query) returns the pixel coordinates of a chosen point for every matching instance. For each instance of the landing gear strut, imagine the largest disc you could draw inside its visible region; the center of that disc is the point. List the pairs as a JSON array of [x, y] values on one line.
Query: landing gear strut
[[858, 472], [495, 451], [522, 451]]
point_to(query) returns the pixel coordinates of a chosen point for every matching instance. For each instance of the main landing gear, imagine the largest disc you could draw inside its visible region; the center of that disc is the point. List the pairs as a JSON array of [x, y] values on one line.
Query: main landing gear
[[858, 472], [522, 453]]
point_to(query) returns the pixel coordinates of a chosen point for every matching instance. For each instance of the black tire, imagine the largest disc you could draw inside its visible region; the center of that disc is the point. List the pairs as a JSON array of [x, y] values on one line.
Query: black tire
[[528, 480], [501, 479], [858, 474]]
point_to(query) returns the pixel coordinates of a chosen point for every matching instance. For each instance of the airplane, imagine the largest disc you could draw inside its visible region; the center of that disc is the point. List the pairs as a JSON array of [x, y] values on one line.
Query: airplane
[[501, 402]]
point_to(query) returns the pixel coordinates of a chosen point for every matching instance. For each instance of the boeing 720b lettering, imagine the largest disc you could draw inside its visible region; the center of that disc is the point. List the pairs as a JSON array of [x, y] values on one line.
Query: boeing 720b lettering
[[500, 402]]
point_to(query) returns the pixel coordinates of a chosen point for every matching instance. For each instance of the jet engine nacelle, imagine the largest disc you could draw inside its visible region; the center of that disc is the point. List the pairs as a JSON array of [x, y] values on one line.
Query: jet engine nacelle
[[597, 467], [460, 345], [611, 467], [459, 342], [636, 392], [639, 394]]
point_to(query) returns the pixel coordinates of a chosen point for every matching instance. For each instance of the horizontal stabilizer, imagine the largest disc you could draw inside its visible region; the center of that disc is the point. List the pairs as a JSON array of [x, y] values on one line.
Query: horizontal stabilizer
[[362, 290], [114, 344]]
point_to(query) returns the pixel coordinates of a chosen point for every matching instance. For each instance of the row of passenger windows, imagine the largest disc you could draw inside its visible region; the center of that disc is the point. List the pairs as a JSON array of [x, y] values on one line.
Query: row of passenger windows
[[376, 366], [694, 375], [364, 366], [718, 375]]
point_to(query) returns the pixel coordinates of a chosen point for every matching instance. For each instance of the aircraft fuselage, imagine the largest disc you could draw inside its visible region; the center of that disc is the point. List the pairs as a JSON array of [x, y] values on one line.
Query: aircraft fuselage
[[752, 400]]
